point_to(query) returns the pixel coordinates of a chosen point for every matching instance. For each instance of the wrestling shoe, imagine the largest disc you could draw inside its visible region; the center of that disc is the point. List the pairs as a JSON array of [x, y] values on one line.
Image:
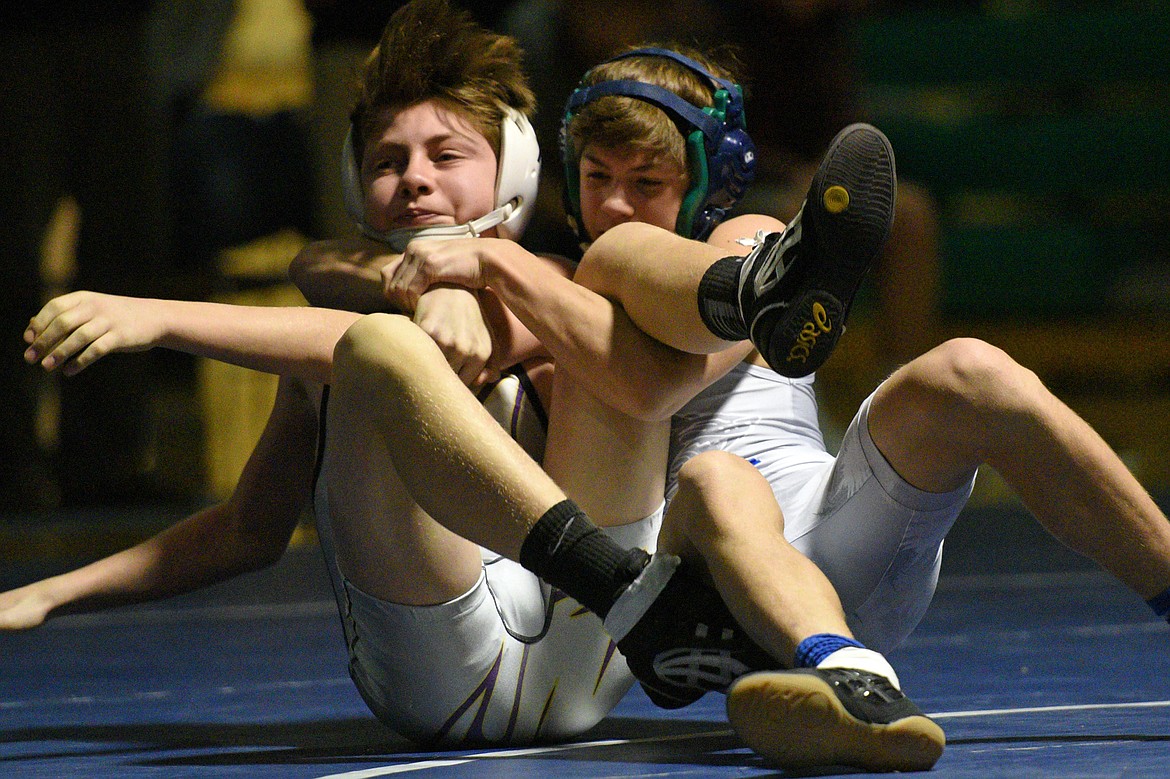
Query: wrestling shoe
[[824, 717], [796, 287], [678, 637]]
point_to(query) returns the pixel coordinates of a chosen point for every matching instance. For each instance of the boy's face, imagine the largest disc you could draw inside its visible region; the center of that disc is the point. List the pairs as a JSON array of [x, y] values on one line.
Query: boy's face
[[629, 185], [428, 166]]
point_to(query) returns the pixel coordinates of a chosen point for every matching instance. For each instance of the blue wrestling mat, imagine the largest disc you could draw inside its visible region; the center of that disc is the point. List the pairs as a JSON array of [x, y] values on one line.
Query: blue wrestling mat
[[1044, 670]]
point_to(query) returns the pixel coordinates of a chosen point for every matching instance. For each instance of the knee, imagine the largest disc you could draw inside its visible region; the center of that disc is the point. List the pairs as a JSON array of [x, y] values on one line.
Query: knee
[[974, 374], [375, 348], [707, 471], [712, 483], [602, 269]]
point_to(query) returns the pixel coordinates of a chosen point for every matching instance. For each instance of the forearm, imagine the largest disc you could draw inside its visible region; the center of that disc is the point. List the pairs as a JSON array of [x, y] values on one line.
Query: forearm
[[292, 341], [512, 342], [248, 531], [342, 274], [591, 338], [203, 549]]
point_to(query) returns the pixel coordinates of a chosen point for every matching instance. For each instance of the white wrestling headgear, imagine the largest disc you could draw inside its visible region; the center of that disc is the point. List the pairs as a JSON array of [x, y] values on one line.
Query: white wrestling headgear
[[517, 177]]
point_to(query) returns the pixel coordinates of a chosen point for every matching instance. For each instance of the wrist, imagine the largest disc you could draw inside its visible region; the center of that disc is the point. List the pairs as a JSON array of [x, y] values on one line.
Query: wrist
[[497, 267], [172, 323], [49, 595]]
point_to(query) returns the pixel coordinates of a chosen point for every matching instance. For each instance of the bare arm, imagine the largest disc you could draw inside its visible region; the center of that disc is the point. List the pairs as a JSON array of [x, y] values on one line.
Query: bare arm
[[478, 335], [344, 274], [248, 531], [587, 334], [75, 330]]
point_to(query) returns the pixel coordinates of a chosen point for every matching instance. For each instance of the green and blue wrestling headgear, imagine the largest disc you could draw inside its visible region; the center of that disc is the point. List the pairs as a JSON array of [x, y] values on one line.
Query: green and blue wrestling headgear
[[721, 158]]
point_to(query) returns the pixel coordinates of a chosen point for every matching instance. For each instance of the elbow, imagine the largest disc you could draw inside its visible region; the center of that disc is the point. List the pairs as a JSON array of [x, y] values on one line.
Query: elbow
[[260, 554], [649, 388], [258, 545], [658, 386], [659, 409], [300, 267], [264, 551]]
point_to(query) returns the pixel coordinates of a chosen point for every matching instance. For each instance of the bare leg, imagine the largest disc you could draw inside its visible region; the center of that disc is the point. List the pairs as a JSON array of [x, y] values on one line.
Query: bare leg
[[725, 508], [966, 403], [724, 517], [654, 275], [401, 423], [725, 511], [612, 465]]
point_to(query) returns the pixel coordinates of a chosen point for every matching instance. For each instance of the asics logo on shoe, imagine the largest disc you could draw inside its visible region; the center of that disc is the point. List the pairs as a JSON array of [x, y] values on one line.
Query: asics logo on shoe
[[768, 275], [809, 333]]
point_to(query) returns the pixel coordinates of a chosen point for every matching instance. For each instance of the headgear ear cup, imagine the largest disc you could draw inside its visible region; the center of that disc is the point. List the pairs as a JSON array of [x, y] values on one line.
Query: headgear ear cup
[[695, 200], [571, 189], [517, 179], [518, 172], [731, 166], [721, 157]]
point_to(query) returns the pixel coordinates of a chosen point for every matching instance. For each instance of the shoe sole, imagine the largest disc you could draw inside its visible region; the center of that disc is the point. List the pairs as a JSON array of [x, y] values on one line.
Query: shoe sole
[[848, 213], [797, 721], [665, 700]]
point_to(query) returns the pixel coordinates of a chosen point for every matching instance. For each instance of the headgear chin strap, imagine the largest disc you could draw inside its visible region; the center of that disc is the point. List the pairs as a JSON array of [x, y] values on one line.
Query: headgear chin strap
[[517, 177], [721, 157]]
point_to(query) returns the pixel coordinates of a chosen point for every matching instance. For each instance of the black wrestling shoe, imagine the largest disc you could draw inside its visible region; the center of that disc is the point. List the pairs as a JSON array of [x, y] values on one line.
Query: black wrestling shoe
[[825, 717], [683, 642], [796, 287]]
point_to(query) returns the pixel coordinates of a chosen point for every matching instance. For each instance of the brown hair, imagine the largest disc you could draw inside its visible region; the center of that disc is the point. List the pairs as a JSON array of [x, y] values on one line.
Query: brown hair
[[431, 51], [617, 120]]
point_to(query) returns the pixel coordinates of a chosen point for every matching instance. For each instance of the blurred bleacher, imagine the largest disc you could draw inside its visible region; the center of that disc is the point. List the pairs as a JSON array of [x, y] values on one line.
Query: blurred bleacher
[[1043, 129]]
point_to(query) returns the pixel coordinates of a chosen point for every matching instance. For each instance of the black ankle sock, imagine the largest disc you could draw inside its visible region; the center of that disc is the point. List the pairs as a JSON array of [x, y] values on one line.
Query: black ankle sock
[[569, 552], [719, 300]]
